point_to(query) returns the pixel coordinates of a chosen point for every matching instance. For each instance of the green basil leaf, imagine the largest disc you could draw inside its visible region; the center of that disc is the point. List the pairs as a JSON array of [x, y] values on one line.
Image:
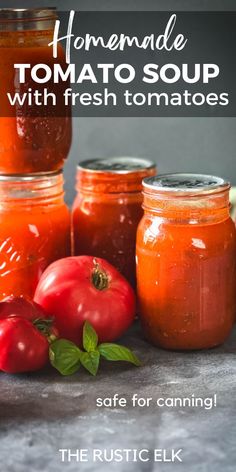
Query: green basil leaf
[[90, 337], [115, 352], [90, 361], [64, 356]]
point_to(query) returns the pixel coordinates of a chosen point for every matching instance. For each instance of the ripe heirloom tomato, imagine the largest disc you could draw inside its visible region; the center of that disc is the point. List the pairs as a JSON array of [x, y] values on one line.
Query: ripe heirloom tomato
[[25, 333], [22, 347], [76, 289], [22, 307]]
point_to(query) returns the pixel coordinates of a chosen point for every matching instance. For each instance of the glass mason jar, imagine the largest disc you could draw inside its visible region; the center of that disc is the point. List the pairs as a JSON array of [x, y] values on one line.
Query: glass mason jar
[[107, 210], [31, 139], [186, 261], [34, 230]]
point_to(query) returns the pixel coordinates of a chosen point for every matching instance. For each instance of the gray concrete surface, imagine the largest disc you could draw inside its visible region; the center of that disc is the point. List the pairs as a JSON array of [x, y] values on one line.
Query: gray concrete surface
[[42, 413]]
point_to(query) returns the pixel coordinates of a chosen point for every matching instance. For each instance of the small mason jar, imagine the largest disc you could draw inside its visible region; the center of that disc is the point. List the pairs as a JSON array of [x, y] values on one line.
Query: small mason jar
[[108, 208], [32, 138], [186, 261], [34, 230]]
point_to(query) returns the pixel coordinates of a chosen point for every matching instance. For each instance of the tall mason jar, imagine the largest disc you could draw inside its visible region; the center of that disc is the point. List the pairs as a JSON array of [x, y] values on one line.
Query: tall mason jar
[[32, 138], [34, 230], [108, 208], [186, 261]]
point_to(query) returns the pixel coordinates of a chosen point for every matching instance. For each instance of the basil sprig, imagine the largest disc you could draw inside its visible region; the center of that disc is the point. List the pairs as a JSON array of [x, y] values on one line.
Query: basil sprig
[[67, 358], [115, 352]]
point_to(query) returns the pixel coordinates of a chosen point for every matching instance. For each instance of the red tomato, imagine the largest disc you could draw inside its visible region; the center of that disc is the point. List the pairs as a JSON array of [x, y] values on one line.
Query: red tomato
[[23, 307], [22, 347], [76, 289]]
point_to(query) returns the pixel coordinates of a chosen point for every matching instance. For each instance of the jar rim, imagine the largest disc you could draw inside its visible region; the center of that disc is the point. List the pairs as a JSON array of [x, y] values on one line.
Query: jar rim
[[19, 14], [116, 165], [181, 184], [29, 177]]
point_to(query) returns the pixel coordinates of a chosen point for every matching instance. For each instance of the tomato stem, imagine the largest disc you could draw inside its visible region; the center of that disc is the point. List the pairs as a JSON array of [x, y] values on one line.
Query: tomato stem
[[51, 338], [99, 278], [44, 326]]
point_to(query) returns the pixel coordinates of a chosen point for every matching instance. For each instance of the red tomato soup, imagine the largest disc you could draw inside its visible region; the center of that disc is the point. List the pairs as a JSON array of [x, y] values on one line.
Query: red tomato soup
[[34, 230], [186, 261], [107, 210], [31, 140]]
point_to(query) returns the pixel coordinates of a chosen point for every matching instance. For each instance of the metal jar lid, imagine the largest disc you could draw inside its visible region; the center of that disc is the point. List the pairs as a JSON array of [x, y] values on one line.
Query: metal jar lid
[[26, 13], [15, 19], [117, 165], [185, 184], [30, 186], [39, 176]]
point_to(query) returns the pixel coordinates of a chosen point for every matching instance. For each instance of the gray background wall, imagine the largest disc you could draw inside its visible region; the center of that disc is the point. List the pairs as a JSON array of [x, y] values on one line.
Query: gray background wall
[[176, 144]]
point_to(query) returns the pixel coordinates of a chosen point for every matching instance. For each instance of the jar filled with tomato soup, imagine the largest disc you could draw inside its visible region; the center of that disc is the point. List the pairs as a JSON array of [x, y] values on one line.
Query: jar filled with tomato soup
[[33, 138], [186, 261], [107, 210], [34, 230]]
